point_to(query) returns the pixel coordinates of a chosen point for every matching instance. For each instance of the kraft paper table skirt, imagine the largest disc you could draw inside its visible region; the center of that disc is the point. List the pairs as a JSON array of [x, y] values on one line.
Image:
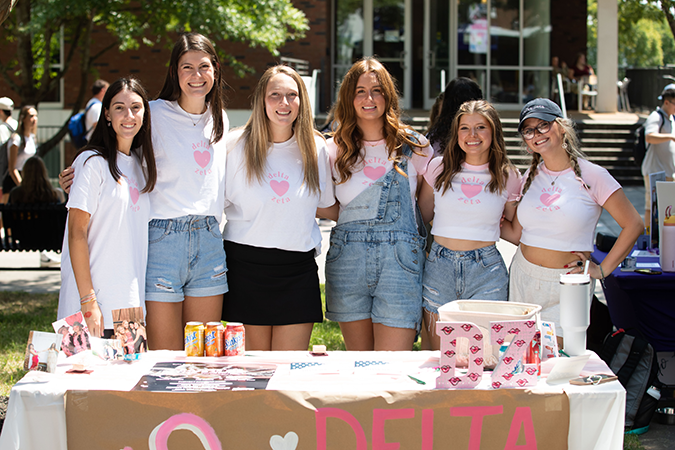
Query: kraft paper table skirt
[[36, 416]]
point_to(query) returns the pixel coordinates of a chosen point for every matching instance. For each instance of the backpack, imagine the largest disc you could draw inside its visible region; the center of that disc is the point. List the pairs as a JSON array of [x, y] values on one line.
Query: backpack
[[633, 360], [4, 152], [76, 127], [640, 145]]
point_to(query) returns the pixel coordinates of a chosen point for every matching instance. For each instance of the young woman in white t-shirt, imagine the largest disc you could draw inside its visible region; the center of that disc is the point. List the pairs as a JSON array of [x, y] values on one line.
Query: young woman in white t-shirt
[[466, 191], [105, 245], [187, 274], [22, 145], [375, 263], [563, 195], [277, 176]]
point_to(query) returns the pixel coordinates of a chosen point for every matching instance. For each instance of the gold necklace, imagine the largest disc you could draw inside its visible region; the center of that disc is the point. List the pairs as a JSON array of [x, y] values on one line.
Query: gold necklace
[[194, 124]]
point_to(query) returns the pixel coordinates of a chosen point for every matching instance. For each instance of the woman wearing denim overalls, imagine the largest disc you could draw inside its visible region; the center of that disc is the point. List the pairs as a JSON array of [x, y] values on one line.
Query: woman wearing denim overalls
[[375, 263]]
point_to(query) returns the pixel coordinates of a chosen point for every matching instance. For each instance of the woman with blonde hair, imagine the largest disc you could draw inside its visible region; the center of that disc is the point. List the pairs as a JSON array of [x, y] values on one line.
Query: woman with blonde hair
[[277, 177], [376, 258], [466, 192], [563, 195]]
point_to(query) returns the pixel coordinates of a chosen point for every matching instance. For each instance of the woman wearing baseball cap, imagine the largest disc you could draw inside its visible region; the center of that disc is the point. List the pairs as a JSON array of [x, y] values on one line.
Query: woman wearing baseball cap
[[562, 197]]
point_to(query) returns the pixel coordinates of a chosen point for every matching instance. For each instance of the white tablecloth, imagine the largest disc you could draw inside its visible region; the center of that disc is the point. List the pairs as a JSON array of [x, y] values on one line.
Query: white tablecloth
[[36, 416]]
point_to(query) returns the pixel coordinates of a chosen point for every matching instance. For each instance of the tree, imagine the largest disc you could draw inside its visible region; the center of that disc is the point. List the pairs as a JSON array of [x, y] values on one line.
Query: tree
[[34, 29]]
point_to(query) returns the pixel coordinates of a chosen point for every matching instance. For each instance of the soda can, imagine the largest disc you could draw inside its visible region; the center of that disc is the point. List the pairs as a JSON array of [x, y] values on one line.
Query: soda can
[[213, 339], [194, 339], [235, 339]]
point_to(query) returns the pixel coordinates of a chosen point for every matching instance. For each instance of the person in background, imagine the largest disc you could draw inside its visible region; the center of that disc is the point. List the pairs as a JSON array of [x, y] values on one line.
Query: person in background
[[22, 146], [35, 186], [435, 111], [562, 197], [7, 124], [105, 245], [467, 191], [278, 175], [457, 92], [93, 108], [376, 259], [660, 136]]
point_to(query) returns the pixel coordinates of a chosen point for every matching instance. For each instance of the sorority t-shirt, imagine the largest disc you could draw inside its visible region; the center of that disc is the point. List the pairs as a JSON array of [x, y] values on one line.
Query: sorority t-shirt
[[190, 170], [280, 211], [467, 210], [375, 164], [117, 236]]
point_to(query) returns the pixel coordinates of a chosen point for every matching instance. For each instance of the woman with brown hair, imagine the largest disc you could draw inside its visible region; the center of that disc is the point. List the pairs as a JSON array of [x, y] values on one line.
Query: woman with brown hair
[[375, 263]]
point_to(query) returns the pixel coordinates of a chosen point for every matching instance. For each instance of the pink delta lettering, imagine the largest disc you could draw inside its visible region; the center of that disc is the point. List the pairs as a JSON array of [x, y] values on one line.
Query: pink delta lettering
[[521, 431]]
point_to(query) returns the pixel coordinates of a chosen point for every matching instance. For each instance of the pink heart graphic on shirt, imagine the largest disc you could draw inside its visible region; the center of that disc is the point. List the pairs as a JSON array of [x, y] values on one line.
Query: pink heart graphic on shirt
[[279, 187], [202, 158], [374, 173], [133, 192], [471, 190], [548, 199]]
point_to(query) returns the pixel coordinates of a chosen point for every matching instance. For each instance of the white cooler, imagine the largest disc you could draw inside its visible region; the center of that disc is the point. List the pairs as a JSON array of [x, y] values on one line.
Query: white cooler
[[481, 313]]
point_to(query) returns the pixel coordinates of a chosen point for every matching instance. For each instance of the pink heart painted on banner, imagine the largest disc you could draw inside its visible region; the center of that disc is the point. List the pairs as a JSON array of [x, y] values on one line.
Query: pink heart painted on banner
[[450, 353], [548, 199], [445, 369], [474, 349], [473, 376], [454, 381], [374, 173], [466, 327], [531, 370], [497, 327], [279, 187], [508, 360], [202, 158], [471, 190], [447, 330], [133, 192], [521, 382], [478, 361], [496, 385]]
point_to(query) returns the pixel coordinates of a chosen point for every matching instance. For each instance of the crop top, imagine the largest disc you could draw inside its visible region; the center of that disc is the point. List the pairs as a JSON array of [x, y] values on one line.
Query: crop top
[[559, 213], [375, 164], [468, 210]]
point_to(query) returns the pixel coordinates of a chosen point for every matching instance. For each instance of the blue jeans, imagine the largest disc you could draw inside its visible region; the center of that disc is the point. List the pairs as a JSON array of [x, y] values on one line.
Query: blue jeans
[[452, 275], [185, 258]]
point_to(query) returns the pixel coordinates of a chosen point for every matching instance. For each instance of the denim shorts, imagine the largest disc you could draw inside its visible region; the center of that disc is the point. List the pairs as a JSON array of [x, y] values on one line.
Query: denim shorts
[[381, 281], [185, 258], [452, 275]]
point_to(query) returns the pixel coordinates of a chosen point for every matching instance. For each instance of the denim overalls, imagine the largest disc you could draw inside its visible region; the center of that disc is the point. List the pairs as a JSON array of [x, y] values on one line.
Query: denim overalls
[[375, 263]]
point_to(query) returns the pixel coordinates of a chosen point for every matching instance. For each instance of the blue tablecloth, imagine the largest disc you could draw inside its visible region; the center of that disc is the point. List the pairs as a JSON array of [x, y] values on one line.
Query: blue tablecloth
[[643, 302]]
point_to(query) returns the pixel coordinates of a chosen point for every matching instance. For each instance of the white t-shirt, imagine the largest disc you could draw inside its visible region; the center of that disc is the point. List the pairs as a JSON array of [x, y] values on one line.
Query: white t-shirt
[[563, 216], [659, 157], [375, 164], [117, 236], [190, 170], [23, 154], [6, 131], [92, 116], [468, 210], [279, 212]]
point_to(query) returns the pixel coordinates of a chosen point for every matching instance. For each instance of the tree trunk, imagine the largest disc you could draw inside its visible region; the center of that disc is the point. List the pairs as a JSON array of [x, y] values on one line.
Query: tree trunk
[[6, 8], [24, 49], [666, 6]]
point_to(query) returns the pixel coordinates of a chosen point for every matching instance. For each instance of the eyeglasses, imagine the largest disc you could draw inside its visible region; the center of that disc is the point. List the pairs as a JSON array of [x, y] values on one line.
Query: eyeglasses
[[542, 128]]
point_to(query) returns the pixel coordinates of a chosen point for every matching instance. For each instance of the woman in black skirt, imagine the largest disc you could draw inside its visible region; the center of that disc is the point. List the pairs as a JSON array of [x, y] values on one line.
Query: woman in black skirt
[[277, 176]]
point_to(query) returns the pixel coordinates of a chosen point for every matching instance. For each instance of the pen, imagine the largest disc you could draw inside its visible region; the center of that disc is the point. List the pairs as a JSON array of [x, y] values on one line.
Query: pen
[[416, 380]]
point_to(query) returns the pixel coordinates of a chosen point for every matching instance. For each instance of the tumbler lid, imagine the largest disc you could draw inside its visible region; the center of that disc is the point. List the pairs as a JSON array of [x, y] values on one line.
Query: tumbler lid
[[575, 278]]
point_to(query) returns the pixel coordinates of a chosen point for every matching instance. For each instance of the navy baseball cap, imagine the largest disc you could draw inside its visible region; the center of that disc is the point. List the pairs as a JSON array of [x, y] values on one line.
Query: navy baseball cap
[[540, 108], [670, 87]]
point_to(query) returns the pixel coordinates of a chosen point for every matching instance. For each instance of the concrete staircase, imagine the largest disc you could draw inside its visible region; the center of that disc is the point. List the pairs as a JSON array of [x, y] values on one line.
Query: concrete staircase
[[608, 144]]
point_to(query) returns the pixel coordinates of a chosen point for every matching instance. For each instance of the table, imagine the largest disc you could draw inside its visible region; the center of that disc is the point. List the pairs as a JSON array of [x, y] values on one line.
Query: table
[[643, 302], [36, 417]]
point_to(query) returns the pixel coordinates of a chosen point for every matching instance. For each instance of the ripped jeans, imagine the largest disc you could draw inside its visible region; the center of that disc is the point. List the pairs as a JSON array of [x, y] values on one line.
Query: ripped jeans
[[453, 275], [185, 258]]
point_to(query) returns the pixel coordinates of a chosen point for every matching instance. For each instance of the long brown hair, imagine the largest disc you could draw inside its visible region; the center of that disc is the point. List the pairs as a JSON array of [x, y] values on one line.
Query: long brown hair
[[349, 138], [35, 186], [257, 134], [214, 99], [499, 164]]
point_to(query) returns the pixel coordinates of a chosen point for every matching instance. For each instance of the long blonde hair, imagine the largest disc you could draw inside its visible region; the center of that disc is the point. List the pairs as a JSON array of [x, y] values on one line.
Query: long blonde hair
[[257, 134], [499, 164], [349, 138]]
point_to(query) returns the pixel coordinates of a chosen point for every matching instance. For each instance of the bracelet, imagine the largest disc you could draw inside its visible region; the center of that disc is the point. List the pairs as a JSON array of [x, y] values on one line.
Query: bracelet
[[88, 298], [602, 280]]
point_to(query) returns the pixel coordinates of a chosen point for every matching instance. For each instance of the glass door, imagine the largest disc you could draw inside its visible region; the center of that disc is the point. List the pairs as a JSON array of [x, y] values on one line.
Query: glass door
[[436, 49]]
